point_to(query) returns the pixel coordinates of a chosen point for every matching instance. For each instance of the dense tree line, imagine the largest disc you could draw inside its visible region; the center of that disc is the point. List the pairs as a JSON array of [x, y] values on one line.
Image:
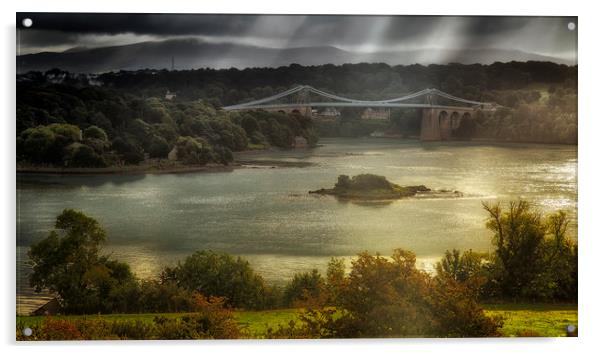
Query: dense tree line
[[539, 102], [540, 98], [89, 126]]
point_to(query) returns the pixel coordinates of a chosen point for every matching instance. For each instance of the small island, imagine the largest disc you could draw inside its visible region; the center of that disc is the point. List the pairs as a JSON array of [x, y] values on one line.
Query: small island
[[369, 186]]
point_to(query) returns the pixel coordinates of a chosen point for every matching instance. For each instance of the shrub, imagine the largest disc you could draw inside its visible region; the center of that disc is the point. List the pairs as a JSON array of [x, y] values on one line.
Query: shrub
[[312, 323], [59, 329], [212, 321], [456, 312], [95, 329], [132, 329]]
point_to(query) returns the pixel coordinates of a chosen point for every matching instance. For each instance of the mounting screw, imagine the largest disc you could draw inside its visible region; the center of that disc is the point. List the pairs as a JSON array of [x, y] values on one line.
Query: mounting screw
[[27, 332], [27, 22]]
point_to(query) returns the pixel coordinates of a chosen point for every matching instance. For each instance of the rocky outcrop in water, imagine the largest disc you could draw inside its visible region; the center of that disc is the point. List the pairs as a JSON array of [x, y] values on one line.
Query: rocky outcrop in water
[[374, 187]]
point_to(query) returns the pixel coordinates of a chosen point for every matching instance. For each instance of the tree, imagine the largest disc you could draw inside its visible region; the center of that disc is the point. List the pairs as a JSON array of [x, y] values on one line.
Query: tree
[[533, 257], [68, 263], [335, 280], [384, 297], [219, 274], [81, 155], [389, 297], [467, 268], [130, 150], [194, 151], [46, 144], [94, 132], [456, 312], [303, 288]]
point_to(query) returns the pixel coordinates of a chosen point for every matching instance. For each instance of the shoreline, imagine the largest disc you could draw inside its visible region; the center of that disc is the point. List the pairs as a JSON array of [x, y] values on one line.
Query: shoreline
[[129, 170], [164, 166]]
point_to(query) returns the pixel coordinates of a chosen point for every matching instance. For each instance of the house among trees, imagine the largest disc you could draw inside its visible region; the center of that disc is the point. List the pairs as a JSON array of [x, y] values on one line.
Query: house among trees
[[170, 95], [329, 112], [52, 307], [376, 114]]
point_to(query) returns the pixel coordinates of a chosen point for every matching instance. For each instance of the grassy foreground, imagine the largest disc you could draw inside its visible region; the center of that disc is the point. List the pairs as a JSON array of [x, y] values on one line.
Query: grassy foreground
[[547, 320]]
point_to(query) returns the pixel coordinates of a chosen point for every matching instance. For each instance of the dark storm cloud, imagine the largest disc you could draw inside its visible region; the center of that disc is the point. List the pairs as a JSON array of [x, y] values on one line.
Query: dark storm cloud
[[547, 35]]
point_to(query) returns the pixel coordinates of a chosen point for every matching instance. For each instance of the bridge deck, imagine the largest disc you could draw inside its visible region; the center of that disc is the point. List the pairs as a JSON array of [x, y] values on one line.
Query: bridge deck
[[347, 104], [339, 101]]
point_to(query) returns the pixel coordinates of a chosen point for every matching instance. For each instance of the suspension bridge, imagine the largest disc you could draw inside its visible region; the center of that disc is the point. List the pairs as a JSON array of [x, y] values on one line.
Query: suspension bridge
[[442, 113]]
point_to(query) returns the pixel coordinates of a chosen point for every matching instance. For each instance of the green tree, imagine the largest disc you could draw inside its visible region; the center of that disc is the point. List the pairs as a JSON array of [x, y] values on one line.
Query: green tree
[[389, 297], [533, 258], [335, 280], [94, 132], [303, 288], [194, 151], [467, 268], [81, 155], [219, 274], [68, 263]]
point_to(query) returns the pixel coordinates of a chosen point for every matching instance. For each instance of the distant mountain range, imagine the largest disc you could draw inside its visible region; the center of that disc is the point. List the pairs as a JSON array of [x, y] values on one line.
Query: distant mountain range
[[192, 54]]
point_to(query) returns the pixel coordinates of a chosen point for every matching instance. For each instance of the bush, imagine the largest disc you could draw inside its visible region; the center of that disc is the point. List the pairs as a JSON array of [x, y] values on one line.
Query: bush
[[132, 329], [456, 312], [95, 329], [58, 329], [212, 321]]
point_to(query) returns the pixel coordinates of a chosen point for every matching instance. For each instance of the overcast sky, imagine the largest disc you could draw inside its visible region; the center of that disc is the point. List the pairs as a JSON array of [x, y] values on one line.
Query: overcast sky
[[542, 35]]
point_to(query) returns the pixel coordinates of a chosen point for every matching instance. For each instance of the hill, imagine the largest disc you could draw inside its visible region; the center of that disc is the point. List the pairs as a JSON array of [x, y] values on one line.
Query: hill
[[193, 54]]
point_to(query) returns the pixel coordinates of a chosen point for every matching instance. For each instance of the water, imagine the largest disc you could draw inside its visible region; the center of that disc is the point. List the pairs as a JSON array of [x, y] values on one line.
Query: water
[[267, 216]]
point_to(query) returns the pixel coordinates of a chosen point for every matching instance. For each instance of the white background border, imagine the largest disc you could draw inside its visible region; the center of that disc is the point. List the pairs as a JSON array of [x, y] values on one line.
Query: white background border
[[590, 179]]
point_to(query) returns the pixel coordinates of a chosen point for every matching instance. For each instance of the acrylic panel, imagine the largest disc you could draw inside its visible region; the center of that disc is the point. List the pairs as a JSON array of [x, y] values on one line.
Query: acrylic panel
[[224, 176]]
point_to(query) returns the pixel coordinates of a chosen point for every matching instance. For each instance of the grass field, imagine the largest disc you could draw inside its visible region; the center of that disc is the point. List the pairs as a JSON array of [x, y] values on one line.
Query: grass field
[[549, 320]]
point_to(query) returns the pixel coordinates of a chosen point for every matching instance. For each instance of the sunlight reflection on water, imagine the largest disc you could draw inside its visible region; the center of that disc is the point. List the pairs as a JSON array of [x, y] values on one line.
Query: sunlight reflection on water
[[267, 216]]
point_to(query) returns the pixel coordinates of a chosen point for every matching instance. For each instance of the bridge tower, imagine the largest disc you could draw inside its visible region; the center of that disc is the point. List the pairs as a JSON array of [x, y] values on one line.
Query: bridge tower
[[429, 127]]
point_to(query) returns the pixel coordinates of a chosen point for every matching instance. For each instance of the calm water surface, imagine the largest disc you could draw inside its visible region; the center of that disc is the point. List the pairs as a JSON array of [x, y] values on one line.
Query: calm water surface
[[267, 216]]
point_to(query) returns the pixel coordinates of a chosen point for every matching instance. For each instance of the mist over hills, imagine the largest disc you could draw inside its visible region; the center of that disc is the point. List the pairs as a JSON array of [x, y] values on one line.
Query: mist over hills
[[193, 54]]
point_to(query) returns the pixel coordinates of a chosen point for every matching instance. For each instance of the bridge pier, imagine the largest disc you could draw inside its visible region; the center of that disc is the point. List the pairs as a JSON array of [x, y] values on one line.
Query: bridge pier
[[440, 123], [429, 129]]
